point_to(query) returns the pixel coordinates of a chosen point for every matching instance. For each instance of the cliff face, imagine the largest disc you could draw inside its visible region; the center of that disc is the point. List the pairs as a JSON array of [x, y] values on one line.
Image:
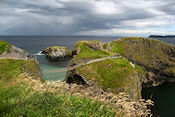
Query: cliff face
[[157, 58], [8, 51], [57, 53], [112, 75], [15, 60]]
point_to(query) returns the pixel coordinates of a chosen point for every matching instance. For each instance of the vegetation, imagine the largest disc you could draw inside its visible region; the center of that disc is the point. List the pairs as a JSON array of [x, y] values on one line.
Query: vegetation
[[10, 69], [18, 98], [150, 53], [113, 73], [85, 52], [4, 47], [116, 74], [55, 48], [21, 100]]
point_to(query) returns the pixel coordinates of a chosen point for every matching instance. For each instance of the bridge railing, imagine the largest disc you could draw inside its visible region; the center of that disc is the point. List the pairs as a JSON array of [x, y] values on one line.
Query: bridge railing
[[31, 57]]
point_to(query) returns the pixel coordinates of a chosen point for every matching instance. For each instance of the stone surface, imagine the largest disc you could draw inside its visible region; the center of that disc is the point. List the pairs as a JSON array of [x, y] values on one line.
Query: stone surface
[[57, 53]]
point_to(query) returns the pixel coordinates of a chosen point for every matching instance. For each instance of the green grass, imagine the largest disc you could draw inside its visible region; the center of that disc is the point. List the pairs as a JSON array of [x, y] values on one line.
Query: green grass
[[113, 73], [147, 52], [21, 100], [87, 53], [116, 47], [10, 69], [17, 97], [53, 48], [4, 47]]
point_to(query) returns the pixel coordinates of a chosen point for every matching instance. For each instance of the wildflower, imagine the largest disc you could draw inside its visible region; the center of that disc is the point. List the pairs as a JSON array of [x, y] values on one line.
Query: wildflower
[[17, 106], [80, 101]]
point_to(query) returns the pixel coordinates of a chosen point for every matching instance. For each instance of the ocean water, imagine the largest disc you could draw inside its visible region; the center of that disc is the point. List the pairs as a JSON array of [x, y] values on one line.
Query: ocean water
[[34, 44], [163, 96]]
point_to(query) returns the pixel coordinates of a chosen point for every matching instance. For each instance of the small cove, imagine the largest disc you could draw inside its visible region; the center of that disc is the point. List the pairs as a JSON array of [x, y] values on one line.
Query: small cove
[[49, 66]]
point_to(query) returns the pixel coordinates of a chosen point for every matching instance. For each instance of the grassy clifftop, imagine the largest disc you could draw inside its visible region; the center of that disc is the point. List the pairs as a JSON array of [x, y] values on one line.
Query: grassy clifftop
[[4, 47], [18, 97], [117, 75], [90, 50], [155, 56], [10, 69], [148, 52]]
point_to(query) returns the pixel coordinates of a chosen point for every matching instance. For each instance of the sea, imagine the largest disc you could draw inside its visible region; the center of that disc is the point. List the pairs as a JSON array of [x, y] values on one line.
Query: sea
[[163, 96]]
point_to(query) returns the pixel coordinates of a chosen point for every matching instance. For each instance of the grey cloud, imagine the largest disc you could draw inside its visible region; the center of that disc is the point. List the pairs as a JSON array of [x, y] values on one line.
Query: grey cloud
[[38, 17]]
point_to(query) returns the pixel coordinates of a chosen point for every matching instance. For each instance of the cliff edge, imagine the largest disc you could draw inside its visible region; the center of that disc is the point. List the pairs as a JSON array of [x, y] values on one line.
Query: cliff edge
[[156, 58]]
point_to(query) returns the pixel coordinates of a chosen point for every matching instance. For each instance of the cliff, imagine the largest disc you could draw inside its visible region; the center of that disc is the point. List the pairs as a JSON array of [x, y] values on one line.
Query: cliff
[[155, 57], [8, 51], [112, 75], [15, 60], [57, 53], [24, 92]]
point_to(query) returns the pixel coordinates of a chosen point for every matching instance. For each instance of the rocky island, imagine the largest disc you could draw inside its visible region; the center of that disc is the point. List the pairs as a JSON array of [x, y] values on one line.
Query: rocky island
[[57, 53]]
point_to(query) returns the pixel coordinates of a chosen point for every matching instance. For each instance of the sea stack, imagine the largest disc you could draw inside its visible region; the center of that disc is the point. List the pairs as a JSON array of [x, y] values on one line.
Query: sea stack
[[57, 53]]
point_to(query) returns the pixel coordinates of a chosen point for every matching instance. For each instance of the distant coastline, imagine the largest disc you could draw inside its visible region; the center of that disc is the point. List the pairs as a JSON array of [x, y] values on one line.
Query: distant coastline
[[160, 36]]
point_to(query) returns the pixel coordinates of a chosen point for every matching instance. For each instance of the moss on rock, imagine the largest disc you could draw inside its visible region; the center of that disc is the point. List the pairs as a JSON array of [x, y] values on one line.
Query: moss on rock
[[4, 47], [57, 53], [90, 50]]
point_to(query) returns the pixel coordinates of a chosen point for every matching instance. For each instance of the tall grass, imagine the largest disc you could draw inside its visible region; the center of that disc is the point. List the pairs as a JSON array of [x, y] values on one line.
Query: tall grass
[[4, 46]]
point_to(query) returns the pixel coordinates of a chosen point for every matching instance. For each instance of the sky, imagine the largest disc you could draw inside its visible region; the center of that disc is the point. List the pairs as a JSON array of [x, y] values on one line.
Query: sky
[[87, 17]]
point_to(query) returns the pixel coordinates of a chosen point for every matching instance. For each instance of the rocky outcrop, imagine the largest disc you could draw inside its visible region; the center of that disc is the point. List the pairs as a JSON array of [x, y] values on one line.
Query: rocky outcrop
[[156, 58], [112, 75], [13, 53], [57, 53]]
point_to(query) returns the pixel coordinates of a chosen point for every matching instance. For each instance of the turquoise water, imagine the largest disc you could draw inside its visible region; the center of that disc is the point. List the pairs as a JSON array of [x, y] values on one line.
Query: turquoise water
[[53, 76], [34, 44]]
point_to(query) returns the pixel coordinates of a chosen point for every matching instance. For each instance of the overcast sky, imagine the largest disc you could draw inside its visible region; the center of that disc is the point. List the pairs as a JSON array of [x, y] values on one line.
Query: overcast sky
[[87, 17]]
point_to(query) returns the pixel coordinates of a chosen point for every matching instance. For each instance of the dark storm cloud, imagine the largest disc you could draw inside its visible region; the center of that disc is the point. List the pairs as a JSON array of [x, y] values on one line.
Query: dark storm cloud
[[71, 17]]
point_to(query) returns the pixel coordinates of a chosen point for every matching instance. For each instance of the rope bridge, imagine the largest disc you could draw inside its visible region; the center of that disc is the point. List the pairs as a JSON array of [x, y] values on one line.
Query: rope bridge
[[76, 66]]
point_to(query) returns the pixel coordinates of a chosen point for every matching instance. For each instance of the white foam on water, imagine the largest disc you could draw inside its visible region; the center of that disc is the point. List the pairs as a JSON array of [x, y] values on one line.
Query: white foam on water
[[39, 53]]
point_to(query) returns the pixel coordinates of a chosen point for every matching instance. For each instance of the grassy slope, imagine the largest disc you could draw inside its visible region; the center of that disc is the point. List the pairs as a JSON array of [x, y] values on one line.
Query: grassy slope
[[4, 47], [116, 74], [147, 52], [87, 53], [10, 69], [109, 73], [17, 98]]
